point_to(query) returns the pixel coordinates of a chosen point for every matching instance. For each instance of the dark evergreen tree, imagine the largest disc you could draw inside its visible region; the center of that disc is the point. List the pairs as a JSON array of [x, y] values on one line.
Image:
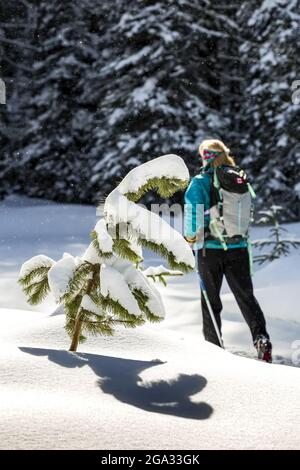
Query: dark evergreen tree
[[99, 87], [54, 160], [161, 81], [270, 118], [114, 87], [18, 22]]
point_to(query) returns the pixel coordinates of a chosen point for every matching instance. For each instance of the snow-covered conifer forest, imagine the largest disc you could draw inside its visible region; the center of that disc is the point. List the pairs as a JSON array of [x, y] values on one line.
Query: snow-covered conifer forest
[[94, 91]]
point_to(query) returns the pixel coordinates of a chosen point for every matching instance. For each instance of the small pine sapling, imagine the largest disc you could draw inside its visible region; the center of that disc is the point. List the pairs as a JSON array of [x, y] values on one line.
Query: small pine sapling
[[278, 242], [107, 286]]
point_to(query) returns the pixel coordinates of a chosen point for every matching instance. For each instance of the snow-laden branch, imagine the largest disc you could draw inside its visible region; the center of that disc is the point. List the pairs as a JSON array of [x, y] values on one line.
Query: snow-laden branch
[[105, 286], [15, 42], [160, 273], [115, 288], [151, 303], [166, 175], [60, 274], [150, 229], [102, 240], [34, 263]]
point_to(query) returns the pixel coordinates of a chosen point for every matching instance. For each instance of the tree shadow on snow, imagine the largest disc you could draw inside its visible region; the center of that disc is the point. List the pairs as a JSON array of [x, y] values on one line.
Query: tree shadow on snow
[[120, 378]]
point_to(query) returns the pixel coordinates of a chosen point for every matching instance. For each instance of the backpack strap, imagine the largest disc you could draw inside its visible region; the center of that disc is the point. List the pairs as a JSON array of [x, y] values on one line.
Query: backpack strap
[[219, 234], [216, 181], [251, 191], [215, 189]]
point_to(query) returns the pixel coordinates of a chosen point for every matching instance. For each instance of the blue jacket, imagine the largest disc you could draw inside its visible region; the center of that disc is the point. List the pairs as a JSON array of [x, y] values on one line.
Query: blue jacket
[[198, 192]]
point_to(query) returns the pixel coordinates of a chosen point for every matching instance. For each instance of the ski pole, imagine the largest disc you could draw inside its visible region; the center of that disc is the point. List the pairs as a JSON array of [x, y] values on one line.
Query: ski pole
[[203, 290]]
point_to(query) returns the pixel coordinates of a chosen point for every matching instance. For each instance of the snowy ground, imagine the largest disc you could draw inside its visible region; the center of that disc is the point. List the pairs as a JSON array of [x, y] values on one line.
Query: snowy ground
[[154, 387]]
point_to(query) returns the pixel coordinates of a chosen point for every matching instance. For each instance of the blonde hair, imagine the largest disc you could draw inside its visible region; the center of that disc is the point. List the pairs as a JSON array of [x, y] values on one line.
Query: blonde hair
[[219, 146]]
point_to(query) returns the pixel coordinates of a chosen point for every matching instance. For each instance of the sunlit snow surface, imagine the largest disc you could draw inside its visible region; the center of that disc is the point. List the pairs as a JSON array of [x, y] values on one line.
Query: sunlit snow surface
[[158, 386]]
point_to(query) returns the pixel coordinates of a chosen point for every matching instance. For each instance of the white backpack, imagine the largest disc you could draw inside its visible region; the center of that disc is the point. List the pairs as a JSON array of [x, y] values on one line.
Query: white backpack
[[231, 205]]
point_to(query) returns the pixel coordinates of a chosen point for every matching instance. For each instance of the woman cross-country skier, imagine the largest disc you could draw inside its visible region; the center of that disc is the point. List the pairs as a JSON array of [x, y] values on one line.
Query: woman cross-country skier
[[222, 191]]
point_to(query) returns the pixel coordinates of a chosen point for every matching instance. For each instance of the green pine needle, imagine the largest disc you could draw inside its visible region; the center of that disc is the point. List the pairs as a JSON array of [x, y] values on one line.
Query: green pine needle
[[102, 254], [142, 300], [123, 249], [37, 291], [78, 282], [161, 277], [82, 339], [168, 255], [35, 284], [100, 326], [164, 186], [122, 313], [71, 311], [37, 273]]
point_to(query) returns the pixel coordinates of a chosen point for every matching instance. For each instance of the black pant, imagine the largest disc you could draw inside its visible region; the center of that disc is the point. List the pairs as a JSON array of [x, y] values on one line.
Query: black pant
[[234, 263]]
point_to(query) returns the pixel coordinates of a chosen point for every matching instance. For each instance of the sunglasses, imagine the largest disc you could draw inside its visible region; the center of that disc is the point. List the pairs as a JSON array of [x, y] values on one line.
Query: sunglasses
[[208, 154]]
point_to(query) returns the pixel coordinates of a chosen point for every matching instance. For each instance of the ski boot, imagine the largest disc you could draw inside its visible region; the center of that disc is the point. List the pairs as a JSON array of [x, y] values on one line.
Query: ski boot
[[264, 348]]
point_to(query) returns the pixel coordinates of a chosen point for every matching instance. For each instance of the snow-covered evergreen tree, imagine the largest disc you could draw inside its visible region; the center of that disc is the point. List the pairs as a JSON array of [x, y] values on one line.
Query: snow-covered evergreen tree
[[17, 21], [106, 286], [98, 90], [54, 155], [278, 242], [271, 120], [166, 61], [114, 86]]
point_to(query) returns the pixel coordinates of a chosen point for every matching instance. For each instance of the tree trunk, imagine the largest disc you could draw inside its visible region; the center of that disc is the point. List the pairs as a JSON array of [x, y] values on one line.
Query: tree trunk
[[75, 339], [78, 321]]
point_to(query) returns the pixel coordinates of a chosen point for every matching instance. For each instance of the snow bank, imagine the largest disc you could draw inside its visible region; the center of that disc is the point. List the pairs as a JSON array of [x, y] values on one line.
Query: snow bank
[[115, 395], [278, 288]]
